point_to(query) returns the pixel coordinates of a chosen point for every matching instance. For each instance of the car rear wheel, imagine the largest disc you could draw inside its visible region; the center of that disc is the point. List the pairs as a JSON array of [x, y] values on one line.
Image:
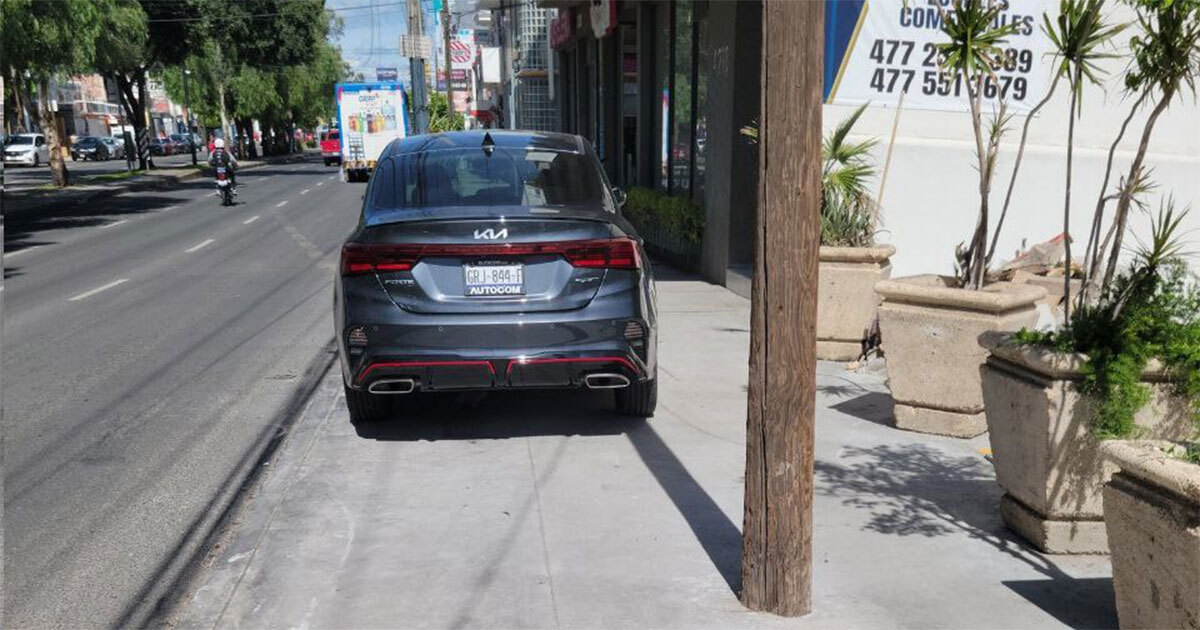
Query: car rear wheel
[[639, 399], [365, 407]]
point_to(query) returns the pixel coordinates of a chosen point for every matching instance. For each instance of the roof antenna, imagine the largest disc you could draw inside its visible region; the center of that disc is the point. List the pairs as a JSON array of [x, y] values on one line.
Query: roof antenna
[[489, 145]]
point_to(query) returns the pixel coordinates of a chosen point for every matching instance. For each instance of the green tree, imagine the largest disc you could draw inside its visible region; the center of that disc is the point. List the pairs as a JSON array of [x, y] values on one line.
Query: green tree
[[41, 40]]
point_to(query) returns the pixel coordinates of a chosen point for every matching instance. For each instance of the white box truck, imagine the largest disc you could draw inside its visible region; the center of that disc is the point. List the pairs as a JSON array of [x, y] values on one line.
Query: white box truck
[[370, 115]]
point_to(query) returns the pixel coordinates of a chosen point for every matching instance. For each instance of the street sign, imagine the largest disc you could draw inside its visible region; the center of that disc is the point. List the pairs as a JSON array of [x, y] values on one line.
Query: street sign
[[415, 46], [387, 74]]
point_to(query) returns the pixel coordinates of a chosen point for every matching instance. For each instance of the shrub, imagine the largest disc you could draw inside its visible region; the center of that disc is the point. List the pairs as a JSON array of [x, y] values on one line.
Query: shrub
[[1150, 311], [679, 216]]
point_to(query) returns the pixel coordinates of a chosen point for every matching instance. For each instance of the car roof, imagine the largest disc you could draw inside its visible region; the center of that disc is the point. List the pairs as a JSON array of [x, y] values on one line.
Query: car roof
[[505, 139]]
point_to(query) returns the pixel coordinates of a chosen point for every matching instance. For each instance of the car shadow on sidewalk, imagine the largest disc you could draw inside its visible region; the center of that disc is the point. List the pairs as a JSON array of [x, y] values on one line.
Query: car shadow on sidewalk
[[918, 490], [513, 414]]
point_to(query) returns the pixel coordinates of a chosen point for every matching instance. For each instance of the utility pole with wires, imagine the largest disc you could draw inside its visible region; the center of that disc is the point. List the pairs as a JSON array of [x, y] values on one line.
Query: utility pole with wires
[[416, 65], [446, 56]]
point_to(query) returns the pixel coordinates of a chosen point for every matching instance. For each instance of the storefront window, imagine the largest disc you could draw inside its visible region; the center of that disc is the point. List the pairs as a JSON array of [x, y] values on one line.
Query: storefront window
[[703, 63], [681, 90], [662, 73]]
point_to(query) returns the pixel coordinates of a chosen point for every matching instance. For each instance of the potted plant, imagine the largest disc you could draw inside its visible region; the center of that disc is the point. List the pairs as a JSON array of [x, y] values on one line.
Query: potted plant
[[851, 261], [1152, 516], [930, 324], [1125, 366]]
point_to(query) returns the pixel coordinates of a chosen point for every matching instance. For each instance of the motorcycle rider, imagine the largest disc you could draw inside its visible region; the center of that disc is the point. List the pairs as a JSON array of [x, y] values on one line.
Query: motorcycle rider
[[220, 157]]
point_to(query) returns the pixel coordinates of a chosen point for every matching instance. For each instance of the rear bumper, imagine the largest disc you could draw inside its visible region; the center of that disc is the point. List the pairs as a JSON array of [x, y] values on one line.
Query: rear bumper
[[445, 354]]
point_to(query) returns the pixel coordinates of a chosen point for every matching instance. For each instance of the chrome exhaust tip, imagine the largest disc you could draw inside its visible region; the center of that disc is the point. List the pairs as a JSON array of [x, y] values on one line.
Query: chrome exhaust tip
[[392, 386], [605, 381]]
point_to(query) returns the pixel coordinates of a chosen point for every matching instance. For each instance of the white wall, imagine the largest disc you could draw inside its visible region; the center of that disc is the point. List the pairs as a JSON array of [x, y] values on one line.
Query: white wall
[[931, 199]]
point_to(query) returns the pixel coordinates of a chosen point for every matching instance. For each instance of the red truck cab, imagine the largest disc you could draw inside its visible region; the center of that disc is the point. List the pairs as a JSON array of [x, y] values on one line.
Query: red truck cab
[[331, 147]]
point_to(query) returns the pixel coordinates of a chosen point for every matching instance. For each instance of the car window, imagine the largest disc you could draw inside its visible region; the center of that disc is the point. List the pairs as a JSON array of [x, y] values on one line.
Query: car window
[[41, 141], [470, 177], [20, 140]]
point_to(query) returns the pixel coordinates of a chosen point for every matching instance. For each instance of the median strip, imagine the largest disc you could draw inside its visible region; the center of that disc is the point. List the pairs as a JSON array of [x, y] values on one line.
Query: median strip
[[87, 294], [199, 246]]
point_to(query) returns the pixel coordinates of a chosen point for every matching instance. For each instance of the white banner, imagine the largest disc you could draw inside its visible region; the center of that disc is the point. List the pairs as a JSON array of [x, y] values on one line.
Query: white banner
[[889, 47]]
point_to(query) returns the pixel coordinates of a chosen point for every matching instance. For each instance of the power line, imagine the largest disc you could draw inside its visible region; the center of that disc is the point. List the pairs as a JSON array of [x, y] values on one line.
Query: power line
[[276, 14]]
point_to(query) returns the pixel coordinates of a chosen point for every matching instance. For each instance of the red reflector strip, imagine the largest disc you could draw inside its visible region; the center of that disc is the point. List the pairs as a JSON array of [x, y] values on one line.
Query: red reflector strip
[[612, 253], [622, 360], [423, 364]]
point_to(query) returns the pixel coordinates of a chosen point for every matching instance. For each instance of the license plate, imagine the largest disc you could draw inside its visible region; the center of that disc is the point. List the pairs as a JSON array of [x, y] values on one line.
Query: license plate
[[494, 280]]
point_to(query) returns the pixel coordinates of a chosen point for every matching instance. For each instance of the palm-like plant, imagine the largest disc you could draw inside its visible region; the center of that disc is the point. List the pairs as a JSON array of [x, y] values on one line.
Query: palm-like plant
[[1079, 37], [1166, 61], [848, 213], [972, 53]]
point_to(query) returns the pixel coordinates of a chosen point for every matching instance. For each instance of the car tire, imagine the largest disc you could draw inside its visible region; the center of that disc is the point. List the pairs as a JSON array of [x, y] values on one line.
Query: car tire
[[638, 400], [365, 407], [37, 160]]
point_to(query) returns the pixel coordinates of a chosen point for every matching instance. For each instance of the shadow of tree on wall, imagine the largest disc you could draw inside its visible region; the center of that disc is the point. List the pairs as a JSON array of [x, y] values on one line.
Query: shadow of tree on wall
[[918, 490]]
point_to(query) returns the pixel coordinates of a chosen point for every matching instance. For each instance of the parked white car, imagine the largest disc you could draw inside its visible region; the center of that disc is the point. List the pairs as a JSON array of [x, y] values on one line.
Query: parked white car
[[29, 149]]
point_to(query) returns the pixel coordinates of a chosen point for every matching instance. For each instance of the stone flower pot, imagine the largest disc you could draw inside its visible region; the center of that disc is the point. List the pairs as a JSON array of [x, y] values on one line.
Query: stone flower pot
[[1046, 456], [931, 339], [846, 298], [1152, 512]]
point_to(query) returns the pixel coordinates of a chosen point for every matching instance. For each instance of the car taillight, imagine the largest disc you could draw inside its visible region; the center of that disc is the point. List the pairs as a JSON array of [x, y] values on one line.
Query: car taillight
[[359, 258], [615, 253]]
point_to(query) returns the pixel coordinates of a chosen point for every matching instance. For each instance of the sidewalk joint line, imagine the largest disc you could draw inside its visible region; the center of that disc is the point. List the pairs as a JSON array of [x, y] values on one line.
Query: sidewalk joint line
[[537, 496]]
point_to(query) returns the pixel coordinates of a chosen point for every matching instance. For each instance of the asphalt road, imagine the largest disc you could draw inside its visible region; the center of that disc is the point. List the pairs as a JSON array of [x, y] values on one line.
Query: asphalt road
[[152, 341], [21, 177]]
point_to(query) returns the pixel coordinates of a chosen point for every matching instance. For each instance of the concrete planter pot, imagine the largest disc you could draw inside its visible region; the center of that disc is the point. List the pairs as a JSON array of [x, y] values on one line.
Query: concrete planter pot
[[931, 338], [846, 298], [1046, 457], [1152, 512]]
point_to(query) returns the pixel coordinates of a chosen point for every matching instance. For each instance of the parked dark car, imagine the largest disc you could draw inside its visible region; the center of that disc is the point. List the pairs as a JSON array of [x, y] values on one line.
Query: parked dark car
[[179, 143], [159, 146], [494, 261], [90, 148]]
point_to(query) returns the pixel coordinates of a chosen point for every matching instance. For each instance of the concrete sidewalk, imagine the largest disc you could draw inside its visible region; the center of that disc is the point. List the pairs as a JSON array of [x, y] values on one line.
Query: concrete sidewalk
[[535, 510]]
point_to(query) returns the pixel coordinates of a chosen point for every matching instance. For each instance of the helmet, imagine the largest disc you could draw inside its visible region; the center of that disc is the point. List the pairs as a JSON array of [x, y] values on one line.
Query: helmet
[[219, 143]]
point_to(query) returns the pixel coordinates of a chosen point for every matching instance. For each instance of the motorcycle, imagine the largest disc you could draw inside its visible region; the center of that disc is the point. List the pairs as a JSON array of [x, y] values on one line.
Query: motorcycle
[[224, 186]]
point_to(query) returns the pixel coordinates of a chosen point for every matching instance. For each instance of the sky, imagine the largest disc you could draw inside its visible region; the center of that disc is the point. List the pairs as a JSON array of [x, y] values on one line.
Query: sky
[[371, 32]]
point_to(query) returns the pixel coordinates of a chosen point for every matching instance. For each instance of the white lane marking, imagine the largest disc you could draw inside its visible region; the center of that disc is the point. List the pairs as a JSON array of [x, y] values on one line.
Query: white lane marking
[[281, 204], [250, 220], [113, 224], [333, 177], [8, 255], [320, 183], [200, 246], [305, 191], [87, 294]]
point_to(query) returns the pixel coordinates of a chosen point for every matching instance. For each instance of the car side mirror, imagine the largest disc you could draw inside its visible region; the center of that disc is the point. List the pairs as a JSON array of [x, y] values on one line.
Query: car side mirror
[[619, 196]]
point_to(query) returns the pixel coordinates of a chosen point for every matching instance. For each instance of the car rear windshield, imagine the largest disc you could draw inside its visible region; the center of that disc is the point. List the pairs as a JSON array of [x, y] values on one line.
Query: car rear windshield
[[87, 142], [469, 177], [329, 135]]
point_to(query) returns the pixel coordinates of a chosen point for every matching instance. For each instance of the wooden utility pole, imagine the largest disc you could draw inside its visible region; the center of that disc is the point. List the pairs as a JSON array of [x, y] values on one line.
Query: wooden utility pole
[[777, 534], [446, 53]]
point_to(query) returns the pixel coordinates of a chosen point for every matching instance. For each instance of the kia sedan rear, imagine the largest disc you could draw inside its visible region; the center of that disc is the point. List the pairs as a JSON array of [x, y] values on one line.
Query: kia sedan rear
[[493, 261]]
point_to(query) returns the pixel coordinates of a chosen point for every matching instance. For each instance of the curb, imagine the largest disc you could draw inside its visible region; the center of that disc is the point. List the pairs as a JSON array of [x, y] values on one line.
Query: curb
[[149, 181]]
